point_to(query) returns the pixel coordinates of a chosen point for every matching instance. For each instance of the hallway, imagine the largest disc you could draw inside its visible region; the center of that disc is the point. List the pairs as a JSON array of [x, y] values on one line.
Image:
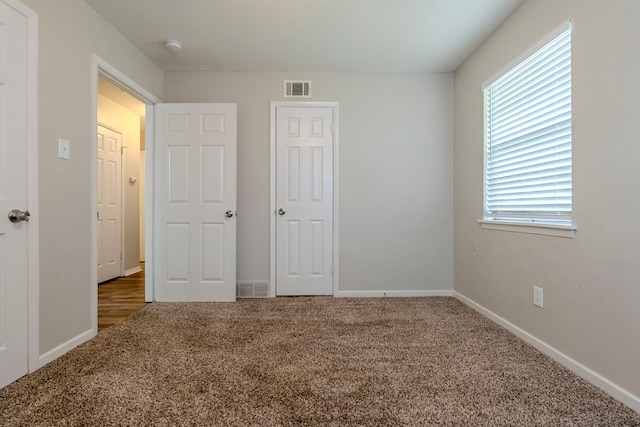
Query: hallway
[[120, 298]]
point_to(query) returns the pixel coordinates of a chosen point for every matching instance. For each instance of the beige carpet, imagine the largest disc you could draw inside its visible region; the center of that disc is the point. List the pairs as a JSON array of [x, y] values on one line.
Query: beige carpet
[[308, 361]]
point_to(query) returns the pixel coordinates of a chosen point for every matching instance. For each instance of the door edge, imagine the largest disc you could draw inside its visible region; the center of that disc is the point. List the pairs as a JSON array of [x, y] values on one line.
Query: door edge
[[33, 238]]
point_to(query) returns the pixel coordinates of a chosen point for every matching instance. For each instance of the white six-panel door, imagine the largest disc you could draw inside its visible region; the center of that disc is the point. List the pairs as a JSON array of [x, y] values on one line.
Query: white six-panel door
[[13, 196], [109, 195], [195, 202], [304, 202]]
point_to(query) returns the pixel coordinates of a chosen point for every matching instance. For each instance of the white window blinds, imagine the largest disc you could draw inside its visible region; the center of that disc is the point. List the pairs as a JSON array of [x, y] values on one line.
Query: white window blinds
[[527, 134]]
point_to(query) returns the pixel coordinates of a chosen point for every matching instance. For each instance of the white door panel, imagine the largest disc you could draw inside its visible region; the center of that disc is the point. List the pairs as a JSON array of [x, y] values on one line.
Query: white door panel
[[13, 195], [304, 227], [109, 195], [195, 223]]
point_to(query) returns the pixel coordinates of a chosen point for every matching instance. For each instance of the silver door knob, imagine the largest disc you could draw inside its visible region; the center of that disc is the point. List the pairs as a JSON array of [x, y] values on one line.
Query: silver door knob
[[228, 214], [281, 211], [17, 216]]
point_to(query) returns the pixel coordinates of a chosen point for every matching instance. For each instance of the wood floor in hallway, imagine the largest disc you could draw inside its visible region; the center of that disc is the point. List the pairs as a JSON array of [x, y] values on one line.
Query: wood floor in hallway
[[120, 298]]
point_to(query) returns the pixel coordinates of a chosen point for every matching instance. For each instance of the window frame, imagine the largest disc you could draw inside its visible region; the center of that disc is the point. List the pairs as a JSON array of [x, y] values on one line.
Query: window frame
[[548, 223]]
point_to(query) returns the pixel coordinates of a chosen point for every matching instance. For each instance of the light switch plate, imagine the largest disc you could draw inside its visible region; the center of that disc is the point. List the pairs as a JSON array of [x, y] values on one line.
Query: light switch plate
[[63, 149]]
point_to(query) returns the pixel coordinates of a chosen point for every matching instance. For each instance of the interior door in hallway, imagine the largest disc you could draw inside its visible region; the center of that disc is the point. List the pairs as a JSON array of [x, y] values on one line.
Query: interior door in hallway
[[109, 195], [304, 200], [195, 202], [14, 227]]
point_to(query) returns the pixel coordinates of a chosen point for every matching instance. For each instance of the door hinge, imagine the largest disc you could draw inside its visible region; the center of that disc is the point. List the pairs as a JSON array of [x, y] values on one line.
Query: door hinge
[[121, 255]]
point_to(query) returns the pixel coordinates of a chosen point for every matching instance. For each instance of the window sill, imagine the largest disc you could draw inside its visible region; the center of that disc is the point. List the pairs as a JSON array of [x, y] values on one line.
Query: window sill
[[554, 230]]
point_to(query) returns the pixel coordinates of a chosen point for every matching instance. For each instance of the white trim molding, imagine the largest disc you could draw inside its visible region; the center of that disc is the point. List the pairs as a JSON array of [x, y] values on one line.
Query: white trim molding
[[573, 365], [545, 229], [134, 270], [394, 294], [150, 120], [63, 348]]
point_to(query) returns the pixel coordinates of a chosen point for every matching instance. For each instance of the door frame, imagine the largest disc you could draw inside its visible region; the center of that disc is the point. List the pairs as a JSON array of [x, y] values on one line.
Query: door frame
[[121, 202], [273, 189], [101, 67]]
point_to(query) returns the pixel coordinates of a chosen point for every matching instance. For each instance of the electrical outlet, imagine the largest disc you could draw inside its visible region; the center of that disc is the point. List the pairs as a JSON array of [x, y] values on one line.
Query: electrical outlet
[[538, 296]]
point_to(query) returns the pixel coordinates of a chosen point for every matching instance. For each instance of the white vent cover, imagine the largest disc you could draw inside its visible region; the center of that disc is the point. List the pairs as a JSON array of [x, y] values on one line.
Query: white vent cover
[[250, 289], [297, 89]]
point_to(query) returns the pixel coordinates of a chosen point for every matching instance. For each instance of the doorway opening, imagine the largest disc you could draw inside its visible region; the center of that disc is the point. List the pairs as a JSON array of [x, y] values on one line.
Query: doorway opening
[[120, 196], [125, 109]]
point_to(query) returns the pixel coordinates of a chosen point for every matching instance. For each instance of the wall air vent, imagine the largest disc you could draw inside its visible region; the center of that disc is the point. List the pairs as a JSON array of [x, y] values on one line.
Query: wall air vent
[[297, 89]]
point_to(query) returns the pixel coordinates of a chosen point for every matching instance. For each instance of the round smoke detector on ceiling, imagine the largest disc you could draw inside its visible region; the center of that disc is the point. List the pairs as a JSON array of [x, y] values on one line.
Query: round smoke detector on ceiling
[[173, 46]]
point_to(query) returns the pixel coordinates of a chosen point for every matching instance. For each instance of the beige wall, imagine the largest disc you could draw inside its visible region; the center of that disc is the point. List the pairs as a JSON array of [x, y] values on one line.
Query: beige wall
[[70, 32], [128, 123], [395, 171], [591, 295]]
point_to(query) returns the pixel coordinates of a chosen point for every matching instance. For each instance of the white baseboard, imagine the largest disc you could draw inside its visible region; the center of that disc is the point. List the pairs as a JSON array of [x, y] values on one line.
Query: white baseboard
[[58, 351], [573, 365], [134, 270], [395, 294]]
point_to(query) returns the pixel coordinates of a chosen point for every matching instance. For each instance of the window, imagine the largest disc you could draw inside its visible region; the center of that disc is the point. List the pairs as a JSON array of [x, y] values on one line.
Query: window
[[527, 138]]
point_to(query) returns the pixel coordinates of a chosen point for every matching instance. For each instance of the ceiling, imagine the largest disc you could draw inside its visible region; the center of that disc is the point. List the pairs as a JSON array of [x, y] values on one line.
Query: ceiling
[[307, 35]]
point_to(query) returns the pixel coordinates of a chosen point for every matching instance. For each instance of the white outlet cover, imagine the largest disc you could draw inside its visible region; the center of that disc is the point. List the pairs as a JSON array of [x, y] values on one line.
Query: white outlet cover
[[538, 296], [64, 149]]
